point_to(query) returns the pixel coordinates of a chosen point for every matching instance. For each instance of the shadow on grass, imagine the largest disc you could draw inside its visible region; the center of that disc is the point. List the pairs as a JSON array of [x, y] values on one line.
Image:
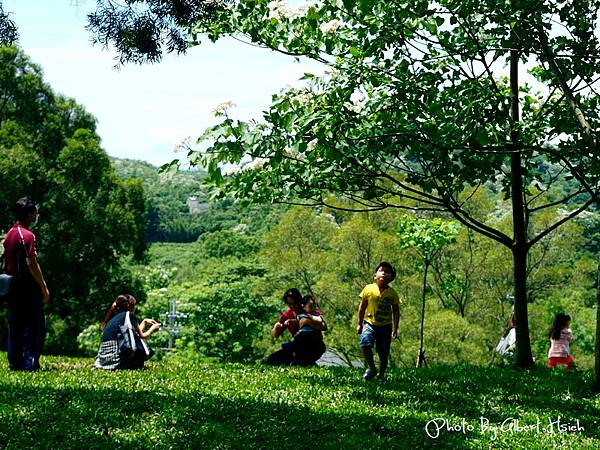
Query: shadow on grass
[[474, 392], [47, 417], [239, 407]]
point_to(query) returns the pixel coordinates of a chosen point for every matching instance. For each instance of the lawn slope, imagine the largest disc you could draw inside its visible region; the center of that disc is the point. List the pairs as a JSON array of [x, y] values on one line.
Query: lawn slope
[[170, 405]]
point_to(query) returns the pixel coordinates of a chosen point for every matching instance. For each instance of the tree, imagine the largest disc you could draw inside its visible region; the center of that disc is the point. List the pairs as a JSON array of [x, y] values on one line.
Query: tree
[[295, 248], [142, 30], [90, 219], [422, 105], [8, 29], [427, 237]]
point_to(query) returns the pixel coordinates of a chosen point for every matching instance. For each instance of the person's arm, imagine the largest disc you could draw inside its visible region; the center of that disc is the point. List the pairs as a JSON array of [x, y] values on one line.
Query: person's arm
[[154, 327], [395, 320], [362, 307], [313, 321], [277, 329], [36, 272]]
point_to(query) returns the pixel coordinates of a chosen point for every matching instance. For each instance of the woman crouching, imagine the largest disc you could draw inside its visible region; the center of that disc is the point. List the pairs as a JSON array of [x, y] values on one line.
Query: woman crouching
[[109, 357]]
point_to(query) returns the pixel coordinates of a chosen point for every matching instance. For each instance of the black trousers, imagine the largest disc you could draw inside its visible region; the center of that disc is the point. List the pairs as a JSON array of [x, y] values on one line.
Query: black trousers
[[26, 328]]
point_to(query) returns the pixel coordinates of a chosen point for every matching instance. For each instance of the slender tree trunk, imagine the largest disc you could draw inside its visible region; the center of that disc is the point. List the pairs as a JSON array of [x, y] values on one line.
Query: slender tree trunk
[[596, 385], [519, 247], [421, 357]]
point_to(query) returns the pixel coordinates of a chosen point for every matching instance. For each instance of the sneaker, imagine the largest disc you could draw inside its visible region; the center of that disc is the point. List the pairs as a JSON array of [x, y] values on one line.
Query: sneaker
[[369, 374]]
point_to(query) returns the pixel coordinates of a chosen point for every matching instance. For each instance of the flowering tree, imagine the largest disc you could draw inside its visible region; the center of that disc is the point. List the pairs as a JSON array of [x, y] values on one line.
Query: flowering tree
[[423, 104]]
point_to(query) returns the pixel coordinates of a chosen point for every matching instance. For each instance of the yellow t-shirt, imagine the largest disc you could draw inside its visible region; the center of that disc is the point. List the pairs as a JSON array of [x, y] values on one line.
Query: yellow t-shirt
[[379, 305]]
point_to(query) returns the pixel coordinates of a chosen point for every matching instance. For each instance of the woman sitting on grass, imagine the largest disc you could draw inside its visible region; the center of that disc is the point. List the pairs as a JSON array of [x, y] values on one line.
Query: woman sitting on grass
[[287, 321], [560, 337], [108, 356]]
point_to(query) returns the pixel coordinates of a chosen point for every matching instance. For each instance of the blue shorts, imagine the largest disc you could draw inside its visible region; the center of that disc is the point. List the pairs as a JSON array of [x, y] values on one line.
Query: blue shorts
[[381, 337]]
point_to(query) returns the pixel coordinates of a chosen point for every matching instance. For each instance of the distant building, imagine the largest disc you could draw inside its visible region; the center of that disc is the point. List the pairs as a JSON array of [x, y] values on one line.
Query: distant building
[[194, 205]]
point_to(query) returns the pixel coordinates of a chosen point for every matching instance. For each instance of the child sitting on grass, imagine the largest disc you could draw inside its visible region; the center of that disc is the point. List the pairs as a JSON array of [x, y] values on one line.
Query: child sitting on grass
[[560, 337], [308, 343]]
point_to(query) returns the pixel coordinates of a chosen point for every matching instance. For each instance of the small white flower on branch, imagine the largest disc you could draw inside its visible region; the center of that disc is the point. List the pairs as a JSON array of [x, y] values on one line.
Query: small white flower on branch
[[357, 103], [230, 171], [330, 27], [183, 145], [302, 98], [255, 164], [222, 108], [279, 9], [312, 145]]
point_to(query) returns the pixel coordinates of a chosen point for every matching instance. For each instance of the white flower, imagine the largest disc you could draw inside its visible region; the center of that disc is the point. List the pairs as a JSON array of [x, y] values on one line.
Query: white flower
[[278, 9], [302, 98], [255, 164], [312, 144], [357, 103], [230, 171], [182, 145], [330, 27], [304, 7], [221, 108]]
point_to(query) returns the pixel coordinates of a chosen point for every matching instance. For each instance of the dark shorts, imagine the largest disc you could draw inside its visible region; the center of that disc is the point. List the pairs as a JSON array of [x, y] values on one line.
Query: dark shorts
[[380, 337]]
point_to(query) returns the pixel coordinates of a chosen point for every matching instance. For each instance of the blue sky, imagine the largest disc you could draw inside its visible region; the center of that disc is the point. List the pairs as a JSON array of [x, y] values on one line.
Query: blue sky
[[144, 111]]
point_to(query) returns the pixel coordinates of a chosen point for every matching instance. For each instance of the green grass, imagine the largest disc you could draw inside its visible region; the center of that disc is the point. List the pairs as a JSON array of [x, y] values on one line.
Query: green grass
[[170, 405]]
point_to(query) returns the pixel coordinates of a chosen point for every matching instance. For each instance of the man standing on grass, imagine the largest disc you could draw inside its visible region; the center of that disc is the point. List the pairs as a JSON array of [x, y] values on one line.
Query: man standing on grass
[[378, 317], [26, 323]]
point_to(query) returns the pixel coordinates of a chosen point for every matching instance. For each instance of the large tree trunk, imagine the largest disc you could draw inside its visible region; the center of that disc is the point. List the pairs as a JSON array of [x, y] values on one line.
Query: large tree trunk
[[524, 357], [519, 247]]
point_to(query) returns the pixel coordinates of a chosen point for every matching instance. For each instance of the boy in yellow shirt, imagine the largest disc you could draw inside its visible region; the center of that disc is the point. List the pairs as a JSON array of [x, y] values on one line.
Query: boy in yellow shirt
[[378, 317]]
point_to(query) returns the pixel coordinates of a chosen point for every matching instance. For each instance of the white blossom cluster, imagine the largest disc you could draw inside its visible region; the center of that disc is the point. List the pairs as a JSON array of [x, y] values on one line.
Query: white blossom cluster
[[230, 171], [302, 97], [279, 9], [222, 108], [330, 27], [255, 164], [357, 103], [183, 145], [312, 145]]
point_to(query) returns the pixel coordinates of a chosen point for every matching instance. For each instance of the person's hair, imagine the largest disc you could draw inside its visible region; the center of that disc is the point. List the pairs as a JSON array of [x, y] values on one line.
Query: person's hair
[[388, 266], [308, 298], [122, 303], [23, 207], [511, 322], [295, 295], [560, 321]]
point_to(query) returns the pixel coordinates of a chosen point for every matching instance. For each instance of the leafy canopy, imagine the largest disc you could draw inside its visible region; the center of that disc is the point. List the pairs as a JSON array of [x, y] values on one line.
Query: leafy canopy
[[414, 106]]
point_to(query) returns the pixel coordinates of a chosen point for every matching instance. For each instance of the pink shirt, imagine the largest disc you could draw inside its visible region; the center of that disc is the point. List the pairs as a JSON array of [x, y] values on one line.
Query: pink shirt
[[559, 348]]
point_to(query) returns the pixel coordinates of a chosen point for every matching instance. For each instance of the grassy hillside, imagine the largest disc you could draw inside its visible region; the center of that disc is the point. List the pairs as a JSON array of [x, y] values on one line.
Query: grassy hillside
[[171, 405]]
